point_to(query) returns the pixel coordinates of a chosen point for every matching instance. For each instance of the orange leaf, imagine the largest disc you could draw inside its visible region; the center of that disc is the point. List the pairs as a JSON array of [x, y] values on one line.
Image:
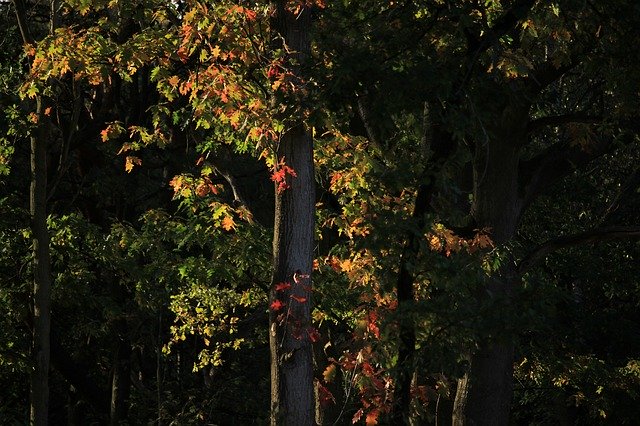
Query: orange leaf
[[228, 224], [372, 418], [173, 81], [299, 299]]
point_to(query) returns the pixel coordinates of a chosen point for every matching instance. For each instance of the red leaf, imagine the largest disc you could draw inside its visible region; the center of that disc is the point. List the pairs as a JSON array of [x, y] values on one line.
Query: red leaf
[[276, 305], [282, 286], [357, 416], [299, 299], [314, 335]]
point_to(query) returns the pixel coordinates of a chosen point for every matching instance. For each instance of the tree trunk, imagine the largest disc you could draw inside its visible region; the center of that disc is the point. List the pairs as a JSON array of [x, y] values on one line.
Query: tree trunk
[[292, 387], [484, 393], [121, 379], [40, 351], [40, 348]]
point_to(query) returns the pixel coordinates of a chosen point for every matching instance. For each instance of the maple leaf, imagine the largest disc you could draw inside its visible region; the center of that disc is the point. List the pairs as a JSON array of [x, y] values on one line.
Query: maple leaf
[[173, 81], [298, 299], [282, 286], [202, 189], [329, 373], [228, 224], [314, 335], [104, 135], [372, 417], [357, 416], [130, 161], [276, 305]]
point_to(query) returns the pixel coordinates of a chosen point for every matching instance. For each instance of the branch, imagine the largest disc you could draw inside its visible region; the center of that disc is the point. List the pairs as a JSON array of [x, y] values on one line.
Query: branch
[[589, 237], [631, 185], [503, 25], [558, 120], [554, 163], [21, 16]]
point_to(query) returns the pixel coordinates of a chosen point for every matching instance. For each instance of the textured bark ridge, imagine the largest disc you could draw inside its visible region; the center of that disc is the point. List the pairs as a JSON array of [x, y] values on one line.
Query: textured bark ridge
[[292, 387], [484, 393]]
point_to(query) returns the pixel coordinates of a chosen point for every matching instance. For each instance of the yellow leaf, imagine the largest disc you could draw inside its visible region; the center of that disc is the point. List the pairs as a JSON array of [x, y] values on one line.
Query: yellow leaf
[[130, 161]]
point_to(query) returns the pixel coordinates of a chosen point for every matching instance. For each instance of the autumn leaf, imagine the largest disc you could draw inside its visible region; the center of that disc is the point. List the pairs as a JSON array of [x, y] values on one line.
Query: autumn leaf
[[276, 305], [299, 299], [372, 418], [357, 416], [282, 286], [314, 335], [228, 224], [173, 81], [130, 161], [329, 373]]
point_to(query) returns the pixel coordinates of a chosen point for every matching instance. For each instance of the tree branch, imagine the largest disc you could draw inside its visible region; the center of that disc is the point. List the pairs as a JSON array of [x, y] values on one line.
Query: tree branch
[[558, 120], [588, 237], [552, 164]]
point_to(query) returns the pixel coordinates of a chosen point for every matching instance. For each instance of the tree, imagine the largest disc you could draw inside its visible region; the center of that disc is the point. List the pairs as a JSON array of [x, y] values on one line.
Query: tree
[[39, 395], [290, 328]]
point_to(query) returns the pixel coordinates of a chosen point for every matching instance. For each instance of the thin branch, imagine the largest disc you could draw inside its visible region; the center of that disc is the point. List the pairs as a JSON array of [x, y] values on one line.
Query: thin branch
[[558, 120], [632, 183], [593, 236], [503, 25], [557, 161]]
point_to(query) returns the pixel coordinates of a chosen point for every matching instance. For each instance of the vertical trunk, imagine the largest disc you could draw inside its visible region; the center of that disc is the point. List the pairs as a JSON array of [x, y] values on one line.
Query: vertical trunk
[[39, 393], [484, 393], [40, 349], [121, 379], [407, 334], [292, 388]]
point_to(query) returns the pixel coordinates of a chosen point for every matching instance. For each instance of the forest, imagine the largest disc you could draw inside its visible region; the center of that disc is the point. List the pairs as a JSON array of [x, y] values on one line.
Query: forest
[[319, 212]]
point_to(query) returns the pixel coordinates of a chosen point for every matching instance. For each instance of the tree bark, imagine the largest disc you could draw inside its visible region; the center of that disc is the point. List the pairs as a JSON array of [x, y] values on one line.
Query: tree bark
[[484, 393], [292, 387], [40, 348], [40, 351]]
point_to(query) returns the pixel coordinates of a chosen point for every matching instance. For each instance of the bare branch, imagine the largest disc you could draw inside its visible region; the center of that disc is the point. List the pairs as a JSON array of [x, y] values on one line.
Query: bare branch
[[593, 236], [632, 183], [554, 163], [558, 120]]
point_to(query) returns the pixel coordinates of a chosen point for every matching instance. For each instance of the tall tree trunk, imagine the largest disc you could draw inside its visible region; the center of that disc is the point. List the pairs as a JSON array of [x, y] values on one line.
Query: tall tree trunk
[[292, 388], [40, 348], [484, 394], [40, 351], [121, 378]]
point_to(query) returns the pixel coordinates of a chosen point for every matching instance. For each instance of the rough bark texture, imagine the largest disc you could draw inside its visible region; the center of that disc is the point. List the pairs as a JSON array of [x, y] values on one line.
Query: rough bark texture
[[40, 348], [121, 378], [292, 387], [484, 393], [40, 351], [292, 390]]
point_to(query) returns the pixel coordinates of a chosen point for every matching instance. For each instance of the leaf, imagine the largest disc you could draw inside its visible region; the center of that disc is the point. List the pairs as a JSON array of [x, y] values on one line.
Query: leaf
[[276, 305], [299, 299], [228, 224], [282, 286], [329, 373], [372, 417], [130, 161], [314, 335], [357, 416]]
